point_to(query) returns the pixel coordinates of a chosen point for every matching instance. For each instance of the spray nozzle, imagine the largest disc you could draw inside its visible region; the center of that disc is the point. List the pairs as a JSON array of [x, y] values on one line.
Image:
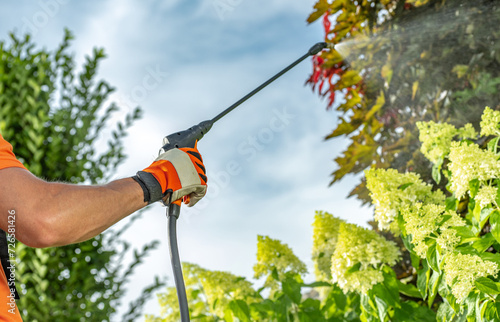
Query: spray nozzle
[[317, 48]]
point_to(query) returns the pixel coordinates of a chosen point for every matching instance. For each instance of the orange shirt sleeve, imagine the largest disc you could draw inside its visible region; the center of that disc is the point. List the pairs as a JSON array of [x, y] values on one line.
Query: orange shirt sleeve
[[8, 307], [7, 157]]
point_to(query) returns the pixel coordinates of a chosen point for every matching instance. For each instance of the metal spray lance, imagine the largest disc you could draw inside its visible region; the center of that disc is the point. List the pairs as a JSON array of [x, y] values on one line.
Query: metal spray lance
[[188, 138]]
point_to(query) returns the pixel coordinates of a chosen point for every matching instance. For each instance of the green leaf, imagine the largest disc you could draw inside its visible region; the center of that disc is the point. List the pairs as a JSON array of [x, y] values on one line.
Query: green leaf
[[477, 213], [342, 129], [466, 250], [492, 312], [436, 171], [423, 276], [266, 306], [351, 77], [484, 215], [354, 268], [474, 187], [409, 290], [390, 280], [451, 203], [228, 314], [381, 307], [310, 308], [415, 260], [240, 310], [493, 144], [316, 284], [444, 218], [335, 302], [404, 186], [369, 309], [492, 257], [487, 286], [460, 70], [412, 311], [379, 103], [320, 8], [495, 224], [445, 312], [481, 306], [401, 225], [385, 294], [34, 85], [470, 304], [292, 288], [465, 234], [433, 287], [433, 256], [484, 243], [274, 274]]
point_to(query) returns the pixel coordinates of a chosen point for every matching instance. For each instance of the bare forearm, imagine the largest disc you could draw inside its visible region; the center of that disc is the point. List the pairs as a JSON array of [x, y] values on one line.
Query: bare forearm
[[55, 214], [78, 213]]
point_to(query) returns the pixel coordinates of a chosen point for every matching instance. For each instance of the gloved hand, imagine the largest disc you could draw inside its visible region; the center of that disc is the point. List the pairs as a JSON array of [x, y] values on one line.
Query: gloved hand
[[175, 174]]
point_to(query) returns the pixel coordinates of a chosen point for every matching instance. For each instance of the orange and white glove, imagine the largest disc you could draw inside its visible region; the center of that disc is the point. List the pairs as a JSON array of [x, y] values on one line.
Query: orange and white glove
[[175, 174]]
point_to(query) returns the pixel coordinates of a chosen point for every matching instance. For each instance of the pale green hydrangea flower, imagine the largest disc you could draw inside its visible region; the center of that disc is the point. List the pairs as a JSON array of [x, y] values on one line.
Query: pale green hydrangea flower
[[454, 221], [209, 293], [325, 231], [421, 249], [437, 137], [363, 247], [468, 162], [462, 270], [222, 287], [360, 281], [486, 195], [467, 132], [273, 254], [448, 239], [168, 308], [421, 221], [490, 122], [388, 195]]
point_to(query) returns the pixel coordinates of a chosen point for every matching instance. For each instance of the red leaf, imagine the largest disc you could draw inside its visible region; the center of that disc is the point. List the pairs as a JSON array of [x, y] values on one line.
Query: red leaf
[[326, 23], [321, 85], [317, 61], [317, 73], [331, 100]]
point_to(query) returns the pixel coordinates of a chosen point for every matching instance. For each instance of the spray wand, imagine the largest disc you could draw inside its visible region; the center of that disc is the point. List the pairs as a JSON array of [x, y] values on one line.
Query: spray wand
[[188, 138]]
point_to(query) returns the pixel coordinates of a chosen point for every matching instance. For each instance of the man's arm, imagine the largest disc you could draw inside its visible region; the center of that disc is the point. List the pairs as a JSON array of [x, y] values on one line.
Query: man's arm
[[54, 214]]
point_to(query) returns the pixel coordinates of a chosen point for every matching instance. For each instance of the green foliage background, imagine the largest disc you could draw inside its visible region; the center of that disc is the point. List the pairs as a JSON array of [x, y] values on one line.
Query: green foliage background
[[54, 118]]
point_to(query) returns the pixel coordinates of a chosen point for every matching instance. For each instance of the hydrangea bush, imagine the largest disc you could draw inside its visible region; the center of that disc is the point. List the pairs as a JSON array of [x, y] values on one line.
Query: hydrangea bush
[[454, 241], [433, 255]]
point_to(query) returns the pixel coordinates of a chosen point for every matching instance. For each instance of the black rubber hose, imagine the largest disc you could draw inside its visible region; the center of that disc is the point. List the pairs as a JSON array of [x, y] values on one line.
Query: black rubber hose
[[172, 215], [173, 211]]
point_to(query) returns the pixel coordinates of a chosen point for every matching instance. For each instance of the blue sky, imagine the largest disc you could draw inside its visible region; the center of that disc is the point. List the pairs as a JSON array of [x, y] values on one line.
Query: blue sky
[[184, 62]]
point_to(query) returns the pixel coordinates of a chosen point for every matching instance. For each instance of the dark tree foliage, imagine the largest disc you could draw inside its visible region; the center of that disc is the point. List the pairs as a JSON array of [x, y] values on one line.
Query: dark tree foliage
[[54, 117], [399, 62]]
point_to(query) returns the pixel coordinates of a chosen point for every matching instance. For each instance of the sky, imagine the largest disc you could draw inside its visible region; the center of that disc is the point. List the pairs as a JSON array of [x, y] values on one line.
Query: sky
[[184, 62]]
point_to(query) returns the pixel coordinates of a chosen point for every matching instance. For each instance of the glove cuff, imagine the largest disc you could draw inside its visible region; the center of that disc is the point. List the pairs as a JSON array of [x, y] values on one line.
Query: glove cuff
[[150, 186]]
